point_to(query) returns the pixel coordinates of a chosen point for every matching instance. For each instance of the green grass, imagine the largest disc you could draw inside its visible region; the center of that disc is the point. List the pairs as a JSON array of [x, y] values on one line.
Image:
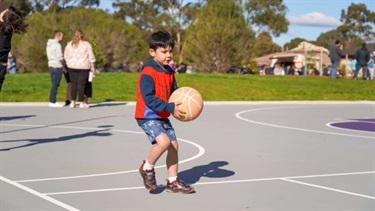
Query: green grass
[[213, 87]]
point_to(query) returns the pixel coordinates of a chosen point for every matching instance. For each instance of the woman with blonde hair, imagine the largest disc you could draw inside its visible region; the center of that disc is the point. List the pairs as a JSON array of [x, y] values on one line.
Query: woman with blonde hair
[[80, 59]]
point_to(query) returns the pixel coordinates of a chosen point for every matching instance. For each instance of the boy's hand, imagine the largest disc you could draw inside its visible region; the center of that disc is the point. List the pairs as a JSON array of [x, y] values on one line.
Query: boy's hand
[[178, 112]]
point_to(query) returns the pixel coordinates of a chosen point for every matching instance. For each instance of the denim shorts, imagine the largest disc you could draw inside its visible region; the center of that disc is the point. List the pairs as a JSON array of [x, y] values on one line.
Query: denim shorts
[[154, 128]]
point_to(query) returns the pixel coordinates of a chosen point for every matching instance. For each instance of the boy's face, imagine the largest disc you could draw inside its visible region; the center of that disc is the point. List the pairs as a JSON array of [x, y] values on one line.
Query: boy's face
[[162, 55]]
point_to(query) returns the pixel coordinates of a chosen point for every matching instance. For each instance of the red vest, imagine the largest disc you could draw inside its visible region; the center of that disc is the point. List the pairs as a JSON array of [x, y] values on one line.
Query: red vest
[[163, 83]]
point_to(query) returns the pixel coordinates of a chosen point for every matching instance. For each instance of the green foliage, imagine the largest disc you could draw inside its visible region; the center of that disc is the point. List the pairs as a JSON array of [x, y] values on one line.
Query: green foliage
[[213, 87], [115, 42], [358, 21], [267, 15], [293, 43], [343, 69], [357, 27], [328, 39], [220, 38], [25, 7], [263, 45], [212, 35], [170, 15]]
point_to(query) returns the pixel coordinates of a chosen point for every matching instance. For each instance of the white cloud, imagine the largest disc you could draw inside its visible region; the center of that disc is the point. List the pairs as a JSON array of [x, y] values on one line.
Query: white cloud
[[314, 19]]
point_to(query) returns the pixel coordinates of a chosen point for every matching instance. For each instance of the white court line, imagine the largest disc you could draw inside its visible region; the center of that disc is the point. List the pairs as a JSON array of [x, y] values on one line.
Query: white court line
[[238, 115], [43, 196], [327, 188], [233, 181], [201, 151]]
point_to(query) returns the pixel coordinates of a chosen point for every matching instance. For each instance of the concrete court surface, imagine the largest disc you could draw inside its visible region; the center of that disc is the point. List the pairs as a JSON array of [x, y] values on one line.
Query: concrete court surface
[[237, 155]]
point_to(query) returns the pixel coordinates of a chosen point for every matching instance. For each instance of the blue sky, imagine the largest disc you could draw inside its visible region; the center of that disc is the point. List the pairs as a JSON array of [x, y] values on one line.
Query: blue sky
[[308, 18]]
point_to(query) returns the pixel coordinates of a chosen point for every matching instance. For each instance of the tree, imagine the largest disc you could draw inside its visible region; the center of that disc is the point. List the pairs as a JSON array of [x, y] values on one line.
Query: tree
[[293, 43], [170, 15], [58, 5], [25, 7], [220, 37], [138, 12], [267, 15], [264, 45], [177, 16], [358, 22], [115, 42]]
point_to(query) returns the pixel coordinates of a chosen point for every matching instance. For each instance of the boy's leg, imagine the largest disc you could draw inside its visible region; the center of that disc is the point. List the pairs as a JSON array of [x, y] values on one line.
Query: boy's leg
[[162, 144], [174, 184], [172, 159], [157, 149]]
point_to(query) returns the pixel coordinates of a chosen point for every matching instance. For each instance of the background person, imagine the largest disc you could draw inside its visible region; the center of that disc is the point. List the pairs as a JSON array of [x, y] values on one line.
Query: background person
[[11, 21], [80, 59], [371, 65], [55, 65], [362, 56], [335, 56], [12, 67], [68, 84]]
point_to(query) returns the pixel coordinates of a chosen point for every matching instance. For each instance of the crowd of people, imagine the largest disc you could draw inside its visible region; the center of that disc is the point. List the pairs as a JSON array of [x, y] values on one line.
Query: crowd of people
[[280, 69], [362, 64]]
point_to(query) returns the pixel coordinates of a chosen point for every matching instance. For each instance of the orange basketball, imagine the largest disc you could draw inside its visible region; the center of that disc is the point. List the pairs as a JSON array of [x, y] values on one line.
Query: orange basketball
[[192, 102]]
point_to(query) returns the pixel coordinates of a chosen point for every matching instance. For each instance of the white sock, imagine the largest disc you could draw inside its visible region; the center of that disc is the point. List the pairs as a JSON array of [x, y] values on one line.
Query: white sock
[[172, 179], [148, 166]]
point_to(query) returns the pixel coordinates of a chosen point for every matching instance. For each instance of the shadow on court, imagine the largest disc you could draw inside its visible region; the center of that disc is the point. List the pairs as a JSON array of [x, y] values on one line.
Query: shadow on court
[[193, 175], [107, 105], [32, 142], [7, 118]]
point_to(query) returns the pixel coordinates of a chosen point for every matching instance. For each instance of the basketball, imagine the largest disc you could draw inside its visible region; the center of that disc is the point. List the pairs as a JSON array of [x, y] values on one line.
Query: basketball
[[192, 102]]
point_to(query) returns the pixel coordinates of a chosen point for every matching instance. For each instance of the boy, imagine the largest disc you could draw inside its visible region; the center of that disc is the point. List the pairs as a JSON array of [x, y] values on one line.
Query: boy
[[155, 84]]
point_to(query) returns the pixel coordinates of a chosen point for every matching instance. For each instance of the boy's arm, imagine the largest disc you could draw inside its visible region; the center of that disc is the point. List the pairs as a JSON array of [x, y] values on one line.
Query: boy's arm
[[148, 95]]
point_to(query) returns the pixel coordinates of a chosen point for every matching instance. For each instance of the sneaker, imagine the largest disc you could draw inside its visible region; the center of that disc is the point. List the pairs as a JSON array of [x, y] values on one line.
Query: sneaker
[[178, 186], [67, 102], [72, 104], [84, 105], [148, 176], [55, 105]]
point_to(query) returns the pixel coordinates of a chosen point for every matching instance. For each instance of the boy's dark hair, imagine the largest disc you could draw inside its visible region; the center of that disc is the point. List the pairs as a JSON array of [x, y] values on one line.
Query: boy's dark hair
[[337, 42], [161, 39]]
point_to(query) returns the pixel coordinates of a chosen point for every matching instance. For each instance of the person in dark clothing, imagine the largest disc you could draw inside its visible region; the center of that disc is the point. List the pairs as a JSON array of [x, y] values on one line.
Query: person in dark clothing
[[335, 55], [325, 70], [363, 57], [11, 21]]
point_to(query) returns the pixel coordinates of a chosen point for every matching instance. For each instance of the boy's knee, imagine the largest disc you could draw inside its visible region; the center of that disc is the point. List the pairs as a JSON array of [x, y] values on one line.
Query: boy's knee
[[163, 140]]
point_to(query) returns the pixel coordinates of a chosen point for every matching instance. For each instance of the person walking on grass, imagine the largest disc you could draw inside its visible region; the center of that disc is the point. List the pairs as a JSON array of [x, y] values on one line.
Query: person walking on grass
[[80, 60], [155, 84], [11, 21], [55, 65]]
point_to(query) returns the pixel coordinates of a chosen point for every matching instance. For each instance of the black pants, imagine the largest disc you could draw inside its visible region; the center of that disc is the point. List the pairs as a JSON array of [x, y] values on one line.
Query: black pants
[[365, 71], [3, 72], [78, 78]]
